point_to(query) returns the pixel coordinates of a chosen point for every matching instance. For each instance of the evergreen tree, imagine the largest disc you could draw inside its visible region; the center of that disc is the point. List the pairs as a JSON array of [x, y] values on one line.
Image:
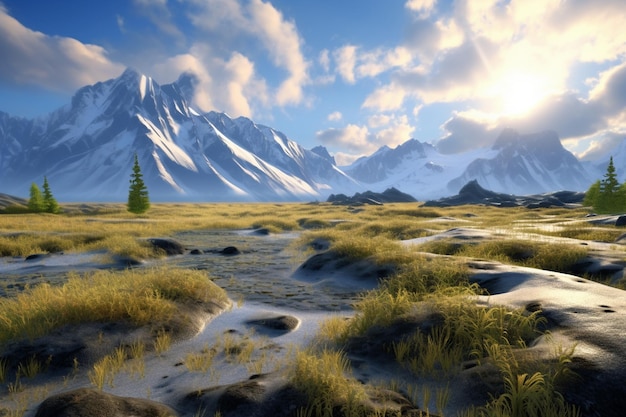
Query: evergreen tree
[[35, 202], [610, 199], [138, 201], [607, 195], [50, 204], [591, 196]]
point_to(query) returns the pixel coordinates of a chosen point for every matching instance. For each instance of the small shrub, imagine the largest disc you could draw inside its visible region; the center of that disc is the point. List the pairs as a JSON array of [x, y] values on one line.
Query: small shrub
[[323, 378], [162, 342]]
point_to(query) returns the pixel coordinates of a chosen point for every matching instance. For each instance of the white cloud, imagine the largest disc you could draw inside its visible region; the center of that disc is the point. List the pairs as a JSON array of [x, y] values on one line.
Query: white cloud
[[335, 116], [230, 85], [355, 140], [397, 131], [602, 145], [231, 23], [344, 159], [475, 52], [324, 61], [53, 62], [281, 39], [574, 119], [423, 7], [374, 63], [465, 131], [388, 97], [379, 120], [351, 137], [345, 58], [611, 88]]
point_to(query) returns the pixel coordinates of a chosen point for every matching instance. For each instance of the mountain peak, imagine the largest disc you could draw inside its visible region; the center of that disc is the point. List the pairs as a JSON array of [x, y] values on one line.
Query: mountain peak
[[323, 152], [544, 141], [130, 75], [187, 83], [507, 137]]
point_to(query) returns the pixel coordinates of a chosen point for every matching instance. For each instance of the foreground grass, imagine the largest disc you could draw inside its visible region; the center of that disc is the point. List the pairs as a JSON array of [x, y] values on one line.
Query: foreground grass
[[450, 329], [559, 257], [423, 289], [138, 297]]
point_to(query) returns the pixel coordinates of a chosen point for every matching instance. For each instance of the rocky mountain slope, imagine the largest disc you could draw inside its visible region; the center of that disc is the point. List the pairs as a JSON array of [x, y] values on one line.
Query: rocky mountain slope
[[86, 149], [515, 164]]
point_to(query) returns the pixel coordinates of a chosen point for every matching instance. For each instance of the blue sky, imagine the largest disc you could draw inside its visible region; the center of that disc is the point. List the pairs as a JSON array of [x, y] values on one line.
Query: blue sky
[[350, 75]]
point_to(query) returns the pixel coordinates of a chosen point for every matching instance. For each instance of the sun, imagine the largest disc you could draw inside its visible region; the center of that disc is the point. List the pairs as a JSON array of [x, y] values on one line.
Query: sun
[[519, 93]]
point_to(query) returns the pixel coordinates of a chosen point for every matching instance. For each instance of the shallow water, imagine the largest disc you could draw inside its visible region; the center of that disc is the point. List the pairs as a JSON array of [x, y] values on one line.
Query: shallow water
[[261, 273]]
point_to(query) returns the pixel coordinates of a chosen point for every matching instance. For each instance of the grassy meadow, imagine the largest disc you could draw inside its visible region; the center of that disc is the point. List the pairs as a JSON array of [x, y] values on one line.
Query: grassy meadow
[[429, 288]]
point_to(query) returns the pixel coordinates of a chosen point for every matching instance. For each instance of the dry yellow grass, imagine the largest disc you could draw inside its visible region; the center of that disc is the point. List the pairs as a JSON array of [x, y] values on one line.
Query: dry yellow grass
[[139, 297]]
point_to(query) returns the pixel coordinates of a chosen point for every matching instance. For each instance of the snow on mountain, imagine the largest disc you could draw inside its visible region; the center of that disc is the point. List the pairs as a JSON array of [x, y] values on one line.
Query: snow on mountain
[[515, 164], [413, 167], [527, 164], [86, 148]]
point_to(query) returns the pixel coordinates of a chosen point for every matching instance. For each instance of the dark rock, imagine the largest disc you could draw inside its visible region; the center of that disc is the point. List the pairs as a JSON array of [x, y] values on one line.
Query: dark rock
[[241, 399], [262, 231], [281, 323], [196, 252], [230, 251], [37, 257], [621, 221], [320, 244], [170, 246], [89, 402], [390, 195], [340, 268], [127, 261], [473, 193]]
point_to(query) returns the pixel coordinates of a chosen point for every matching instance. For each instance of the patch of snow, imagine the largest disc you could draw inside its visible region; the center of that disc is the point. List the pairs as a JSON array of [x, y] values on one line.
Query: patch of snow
[[142, 86]]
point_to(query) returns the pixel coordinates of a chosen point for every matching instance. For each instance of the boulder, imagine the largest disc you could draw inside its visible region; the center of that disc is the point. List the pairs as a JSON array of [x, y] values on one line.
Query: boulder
[[281, 323], [621, 221], [170, 246], [36, 257], [230, 251], [89, 402]]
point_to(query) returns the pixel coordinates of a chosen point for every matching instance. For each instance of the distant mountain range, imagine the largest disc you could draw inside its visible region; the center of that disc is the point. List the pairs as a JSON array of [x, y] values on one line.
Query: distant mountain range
[[86, 150]]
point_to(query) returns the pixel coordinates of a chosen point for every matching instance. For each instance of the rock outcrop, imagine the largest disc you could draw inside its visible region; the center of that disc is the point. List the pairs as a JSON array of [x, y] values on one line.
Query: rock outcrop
[[473, 193], [390, 195]]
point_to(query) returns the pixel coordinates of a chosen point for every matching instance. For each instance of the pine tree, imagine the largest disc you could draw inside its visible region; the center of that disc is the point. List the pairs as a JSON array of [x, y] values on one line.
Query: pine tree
[[607, 195], [591, 196], [138, 201], [35, 202], [50, 204]]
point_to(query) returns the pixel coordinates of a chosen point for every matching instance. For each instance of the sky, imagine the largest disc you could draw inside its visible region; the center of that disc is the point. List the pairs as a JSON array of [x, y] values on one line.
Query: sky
[[351, 75]]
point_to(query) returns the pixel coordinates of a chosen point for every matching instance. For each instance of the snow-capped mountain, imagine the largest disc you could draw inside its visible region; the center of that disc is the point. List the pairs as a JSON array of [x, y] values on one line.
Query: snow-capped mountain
[[527, 164], [413, 167], [86, 149], [515, 164]]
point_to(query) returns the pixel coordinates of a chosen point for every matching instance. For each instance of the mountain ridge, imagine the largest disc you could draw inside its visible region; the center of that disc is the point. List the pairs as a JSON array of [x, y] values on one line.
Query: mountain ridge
[[86, 147]]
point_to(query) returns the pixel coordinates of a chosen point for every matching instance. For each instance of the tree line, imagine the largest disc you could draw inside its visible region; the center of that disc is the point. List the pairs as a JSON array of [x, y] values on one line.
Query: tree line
[[607, 196], [42, 202], [138, 200]]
